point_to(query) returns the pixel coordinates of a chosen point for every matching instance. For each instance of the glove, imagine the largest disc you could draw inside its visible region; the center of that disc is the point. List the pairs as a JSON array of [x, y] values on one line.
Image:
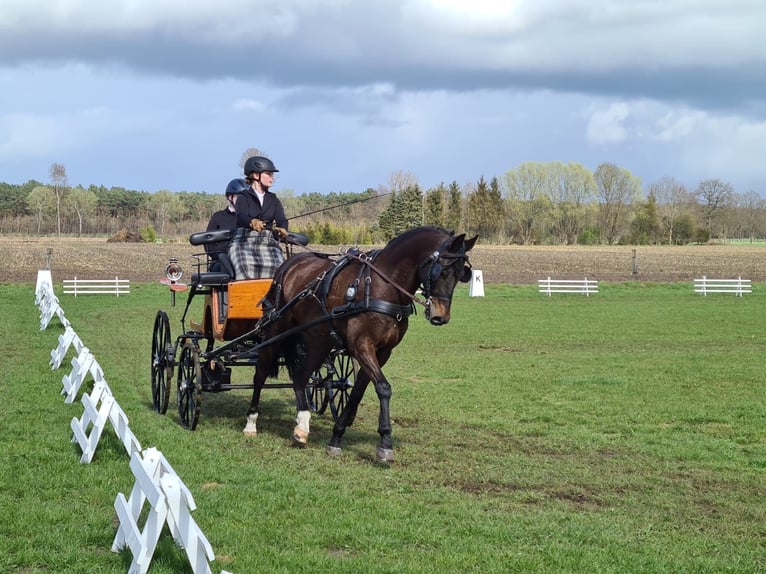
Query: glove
[[257, 225], [282, 231]]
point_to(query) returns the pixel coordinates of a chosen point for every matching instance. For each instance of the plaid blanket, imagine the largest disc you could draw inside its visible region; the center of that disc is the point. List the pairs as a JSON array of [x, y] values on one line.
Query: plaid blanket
[[254, 255]]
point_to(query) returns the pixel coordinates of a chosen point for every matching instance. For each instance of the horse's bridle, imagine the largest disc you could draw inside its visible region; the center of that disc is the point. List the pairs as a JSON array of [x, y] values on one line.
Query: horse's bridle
[[431, 269], [428, 273]]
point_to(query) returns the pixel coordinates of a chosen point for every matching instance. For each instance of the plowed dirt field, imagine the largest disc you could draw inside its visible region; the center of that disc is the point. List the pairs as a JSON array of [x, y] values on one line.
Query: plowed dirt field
[[20, 258]]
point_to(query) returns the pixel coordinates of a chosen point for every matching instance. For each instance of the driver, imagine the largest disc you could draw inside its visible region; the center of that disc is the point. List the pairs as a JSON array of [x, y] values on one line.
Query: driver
[[259, 208], [254, 251]]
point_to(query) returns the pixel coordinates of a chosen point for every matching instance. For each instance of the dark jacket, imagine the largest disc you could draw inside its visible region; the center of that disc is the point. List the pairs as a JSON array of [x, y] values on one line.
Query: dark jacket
[[223, 219], [248, 207]]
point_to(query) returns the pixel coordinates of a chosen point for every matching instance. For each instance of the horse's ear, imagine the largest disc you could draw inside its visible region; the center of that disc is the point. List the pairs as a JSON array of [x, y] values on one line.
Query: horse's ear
[[456, 243], [471, 242]]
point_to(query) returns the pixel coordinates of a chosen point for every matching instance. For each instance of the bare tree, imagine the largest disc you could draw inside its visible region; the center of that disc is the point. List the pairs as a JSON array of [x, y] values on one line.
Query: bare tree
[[751, 213], [248, 153], [673, 200], [529, 188], [57, 173], [40, 201], [714, 195], [164, 206], [618, 189], [82, 203], [398, 181], [575, 188]]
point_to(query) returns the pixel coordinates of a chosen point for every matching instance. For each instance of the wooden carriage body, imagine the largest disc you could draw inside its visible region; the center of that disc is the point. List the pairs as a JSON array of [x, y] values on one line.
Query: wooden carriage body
[[232, 308]]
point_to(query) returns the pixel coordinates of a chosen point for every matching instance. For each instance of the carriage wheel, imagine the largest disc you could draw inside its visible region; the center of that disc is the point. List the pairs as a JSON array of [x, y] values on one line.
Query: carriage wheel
[[341, 379], [316, 392], [162, 362], [189, 386]]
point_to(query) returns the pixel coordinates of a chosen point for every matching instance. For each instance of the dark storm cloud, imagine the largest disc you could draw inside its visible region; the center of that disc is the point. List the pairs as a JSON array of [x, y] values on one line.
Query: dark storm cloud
[[356, 44]]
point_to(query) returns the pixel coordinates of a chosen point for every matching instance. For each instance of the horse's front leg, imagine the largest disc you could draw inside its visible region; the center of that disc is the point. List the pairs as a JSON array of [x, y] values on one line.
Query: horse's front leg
[[385, 452], [259, 378]]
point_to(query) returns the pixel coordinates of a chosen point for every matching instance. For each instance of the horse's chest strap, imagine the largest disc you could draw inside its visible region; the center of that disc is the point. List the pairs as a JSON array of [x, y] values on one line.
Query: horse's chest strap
[[376, 306]]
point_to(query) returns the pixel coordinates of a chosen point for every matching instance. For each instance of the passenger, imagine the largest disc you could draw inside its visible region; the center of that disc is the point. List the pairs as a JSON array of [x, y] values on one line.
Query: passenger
[[254, 251], [224, 219]]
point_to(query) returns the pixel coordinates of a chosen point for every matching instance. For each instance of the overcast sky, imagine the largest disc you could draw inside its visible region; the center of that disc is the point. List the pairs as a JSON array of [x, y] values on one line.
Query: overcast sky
[[168, 94]]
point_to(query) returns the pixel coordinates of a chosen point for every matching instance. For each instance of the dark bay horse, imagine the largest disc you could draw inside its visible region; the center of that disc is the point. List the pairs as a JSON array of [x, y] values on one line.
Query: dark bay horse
[[360, 302]]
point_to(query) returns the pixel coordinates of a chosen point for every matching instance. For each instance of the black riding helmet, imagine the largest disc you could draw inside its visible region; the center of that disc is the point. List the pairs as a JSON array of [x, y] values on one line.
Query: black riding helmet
[[259, 164], [236, 186]]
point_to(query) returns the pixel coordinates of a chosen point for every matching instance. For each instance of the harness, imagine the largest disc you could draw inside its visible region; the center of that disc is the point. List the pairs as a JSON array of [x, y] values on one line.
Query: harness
[[351, 306], [319, 288]]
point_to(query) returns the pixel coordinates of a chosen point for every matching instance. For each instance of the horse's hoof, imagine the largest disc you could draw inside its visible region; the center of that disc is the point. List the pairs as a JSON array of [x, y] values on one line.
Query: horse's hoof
[[300, 438], [249, 433], [385, 454], [334, 450]]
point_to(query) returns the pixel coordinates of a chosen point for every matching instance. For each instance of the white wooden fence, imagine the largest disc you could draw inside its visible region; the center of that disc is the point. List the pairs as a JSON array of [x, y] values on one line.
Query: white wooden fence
[[737, 286], [582, 286], [114, 286], [170, 500]]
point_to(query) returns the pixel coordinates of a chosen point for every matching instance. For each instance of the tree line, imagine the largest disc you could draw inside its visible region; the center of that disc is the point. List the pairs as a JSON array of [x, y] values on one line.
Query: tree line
[[535, 203]]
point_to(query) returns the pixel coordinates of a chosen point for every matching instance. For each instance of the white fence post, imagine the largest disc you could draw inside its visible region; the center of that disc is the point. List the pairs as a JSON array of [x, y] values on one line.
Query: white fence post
[[120, 424], [736, 286], [141, 542], [49, 306], [83, 364], [114, 286], [94, 417], [170, 501], [44, 285], [69, 338], [584, 286]]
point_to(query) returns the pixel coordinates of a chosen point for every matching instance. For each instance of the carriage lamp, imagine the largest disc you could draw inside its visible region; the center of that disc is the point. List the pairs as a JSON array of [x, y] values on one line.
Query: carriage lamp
[[173, 271]]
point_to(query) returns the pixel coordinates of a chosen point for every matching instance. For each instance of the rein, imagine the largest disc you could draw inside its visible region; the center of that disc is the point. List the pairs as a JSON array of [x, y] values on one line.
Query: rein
[[364, 260]]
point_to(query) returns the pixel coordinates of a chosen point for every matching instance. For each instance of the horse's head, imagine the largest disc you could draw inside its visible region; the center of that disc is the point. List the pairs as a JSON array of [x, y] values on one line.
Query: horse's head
[[440, 273]]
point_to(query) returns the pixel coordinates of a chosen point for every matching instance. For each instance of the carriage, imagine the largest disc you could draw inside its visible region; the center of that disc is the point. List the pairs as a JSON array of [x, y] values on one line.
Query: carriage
[[202, 357], [332, 321]]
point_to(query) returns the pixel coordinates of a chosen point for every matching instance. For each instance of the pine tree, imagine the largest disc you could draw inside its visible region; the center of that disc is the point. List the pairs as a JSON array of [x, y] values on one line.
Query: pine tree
[[454, 216]]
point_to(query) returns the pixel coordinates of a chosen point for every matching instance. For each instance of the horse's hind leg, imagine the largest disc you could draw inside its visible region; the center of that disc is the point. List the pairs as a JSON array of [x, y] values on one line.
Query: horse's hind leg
[[300, 379], [259, 378]]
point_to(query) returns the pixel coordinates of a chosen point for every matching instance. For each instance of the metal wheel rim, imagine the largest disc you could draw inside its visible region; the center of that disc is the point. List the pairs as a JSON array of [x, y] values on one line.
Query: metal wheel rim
[[188, 387], [340, 384], [160, 362], [316, 391]]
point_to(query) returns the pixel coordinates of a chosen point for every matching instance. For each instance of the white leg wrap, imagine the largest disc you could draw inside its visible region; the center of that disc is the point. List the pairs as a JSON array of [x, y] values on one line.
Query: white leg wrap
[[250, 428], [303, 420]]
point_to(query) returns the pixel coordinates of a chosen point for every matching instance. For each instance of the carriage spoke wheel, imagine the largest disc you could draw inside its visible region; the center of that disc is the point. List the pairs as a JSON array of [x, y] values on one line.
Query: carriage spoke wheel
[[189, 386], [316, 392], [162, 362], [340, 381]]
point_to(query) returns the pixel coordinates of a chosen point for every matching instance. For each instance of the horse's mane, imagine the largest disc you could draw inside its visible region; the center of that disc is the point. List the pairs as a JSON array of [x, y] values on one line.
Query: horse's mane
[[407, 235]]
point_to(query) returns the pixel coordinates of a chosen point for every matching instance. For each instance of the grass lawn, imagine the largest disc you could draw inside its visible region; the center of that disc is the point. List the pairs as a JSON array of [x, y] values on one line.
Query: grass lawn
[[623, 432]]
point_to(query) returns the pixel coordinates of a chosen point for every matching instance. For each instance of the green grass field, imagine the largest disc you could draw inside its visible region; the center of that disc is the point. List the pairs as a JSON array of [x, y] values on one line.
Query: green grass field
[[625, 432]]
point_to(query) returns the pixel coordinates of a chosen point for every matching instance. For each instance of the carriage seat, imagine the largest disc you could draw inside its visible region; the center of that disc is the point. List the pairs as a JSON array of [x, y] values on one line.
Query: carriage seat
[[205, 237]]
